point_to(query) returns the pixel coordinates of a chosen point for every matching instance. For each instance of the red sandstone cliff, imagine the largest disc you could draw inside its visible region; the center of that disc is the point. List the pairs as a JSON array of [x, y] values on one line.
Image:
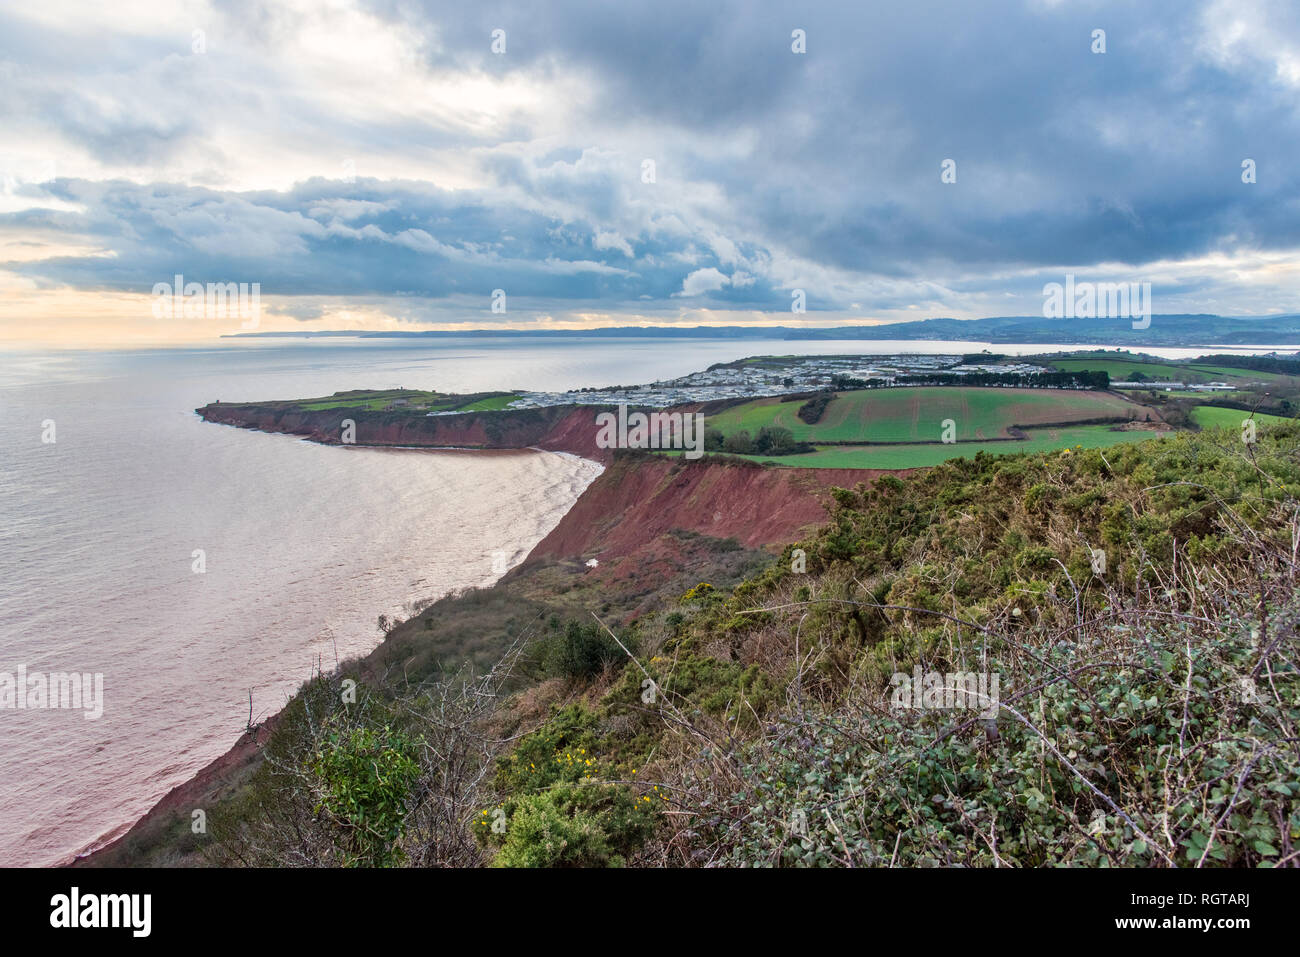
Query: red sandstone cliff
[[639, 498], [555, 428]]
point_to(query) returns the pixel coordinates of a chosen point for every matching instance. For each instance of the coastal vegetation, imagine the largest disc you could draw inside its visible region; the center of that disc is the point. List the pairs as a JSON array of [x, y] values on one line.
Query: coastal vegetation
[[813, 410]]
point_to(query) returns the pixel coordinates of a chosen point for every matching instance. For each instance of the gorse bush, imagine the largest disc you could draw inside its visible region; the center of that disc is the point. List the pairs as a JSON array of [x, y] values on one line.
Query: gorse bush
[[572, 825], [334, 788], [580, 651], [562, 805], [1139, 605]]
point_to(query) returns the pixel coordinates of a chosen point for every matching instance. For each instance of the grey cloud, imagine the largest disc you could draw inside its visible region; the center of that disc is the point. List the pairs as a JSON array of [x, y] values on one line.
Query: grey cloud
[[774, 168]]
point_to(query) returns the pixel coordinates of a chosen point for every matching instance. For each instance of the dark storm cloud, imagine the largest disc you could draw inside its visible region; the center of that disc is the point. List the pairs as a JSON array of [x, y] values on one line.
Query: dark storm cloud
[[774, 168], [1063, 155]]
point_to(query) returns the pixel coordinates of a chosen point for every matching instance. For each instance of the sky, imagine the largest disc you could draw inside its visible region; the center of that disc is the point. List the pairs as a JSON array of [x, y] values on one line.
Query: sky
[[395, 164]]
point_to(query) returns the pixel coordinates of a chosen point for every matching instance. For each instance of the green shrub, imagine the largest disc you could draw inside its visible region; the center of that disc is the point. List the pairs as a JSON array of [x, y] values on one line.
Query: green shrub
[[581, 651], [366, 774], [592, 825]]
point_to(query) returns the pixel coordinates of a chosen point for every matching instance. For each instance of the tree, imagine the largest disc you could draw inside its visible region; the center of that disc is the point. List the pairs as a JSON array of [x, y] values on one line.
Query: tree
[[774, 440], [739, 443], [582, 651]]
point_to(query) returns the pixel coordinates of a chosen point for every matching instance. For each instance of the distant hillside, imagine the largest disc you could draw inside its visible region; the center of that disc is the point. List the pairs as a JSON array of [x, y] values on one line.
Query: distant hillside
[[1170, 330]]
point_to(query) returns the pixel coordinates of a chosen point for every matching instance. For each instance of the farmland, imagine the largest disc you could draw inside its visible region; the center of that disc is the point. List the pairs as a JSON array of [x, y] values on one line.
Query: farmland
[[414, 400], [1139, 369], [1210, 417], [491, 403], [917, 415], [925, 455]]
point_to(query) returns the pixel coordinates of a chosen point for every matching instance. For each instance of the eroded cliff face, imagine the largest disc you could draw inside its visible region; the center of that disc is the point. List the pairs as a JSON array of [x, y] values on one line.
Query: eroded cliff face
[[557, 428], [648, 520], [639, 498]]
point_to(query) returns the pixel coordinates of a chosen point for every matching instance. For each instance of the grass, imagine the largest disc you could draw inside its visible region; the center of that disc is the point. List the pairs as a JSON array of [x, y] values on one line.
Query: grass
[[417, 400], [492, 403], [915, 414], [1228, 373], [924, 456], [1123, 370], [1211, 417], [373, 401]]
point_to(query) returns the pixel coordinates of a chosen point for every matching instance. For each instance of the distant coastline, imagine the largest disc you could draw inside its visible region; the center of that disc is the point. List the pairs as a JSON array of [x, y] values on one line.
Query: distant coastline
[[1191, 331]]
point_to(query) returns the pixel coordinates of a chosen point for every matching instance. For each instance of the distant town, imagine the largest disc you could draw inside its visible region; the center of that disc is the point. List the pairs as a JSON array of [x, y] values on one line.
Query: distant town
[[771, 375]]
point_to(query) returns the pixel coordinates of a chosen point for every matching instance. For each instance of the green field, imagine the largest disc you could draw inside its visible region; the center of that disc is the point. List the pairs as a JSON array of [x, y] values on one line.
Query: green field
[[416, 401], [1228, 373], [1124, 370], [375, 401], [1211, 417], [915, 414], [492, 403], [922, 456]]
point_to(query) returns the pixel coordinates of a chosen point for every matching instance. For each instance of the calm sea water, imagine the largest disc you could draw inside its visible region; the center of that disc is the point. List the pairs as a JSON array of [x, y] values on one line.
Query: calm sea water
[[304, 546]]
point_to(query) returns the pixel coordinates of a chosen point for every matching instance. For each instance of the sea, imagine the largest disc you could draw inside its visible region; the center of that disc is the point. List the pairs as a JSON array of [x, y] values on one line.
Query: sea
[[197, 566]]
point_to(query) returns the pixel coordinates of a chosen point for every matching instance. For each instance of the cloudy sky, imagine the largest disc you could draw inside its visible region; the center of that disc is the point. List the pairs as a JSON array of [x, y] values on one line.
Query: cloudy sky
[[380, 165]]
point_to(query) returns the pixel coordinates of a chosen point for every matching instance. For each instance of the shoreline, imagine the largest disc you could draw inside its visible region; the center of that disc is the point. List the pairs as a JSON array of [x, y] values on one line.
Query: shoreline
[[619, 513], [242, 752]]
